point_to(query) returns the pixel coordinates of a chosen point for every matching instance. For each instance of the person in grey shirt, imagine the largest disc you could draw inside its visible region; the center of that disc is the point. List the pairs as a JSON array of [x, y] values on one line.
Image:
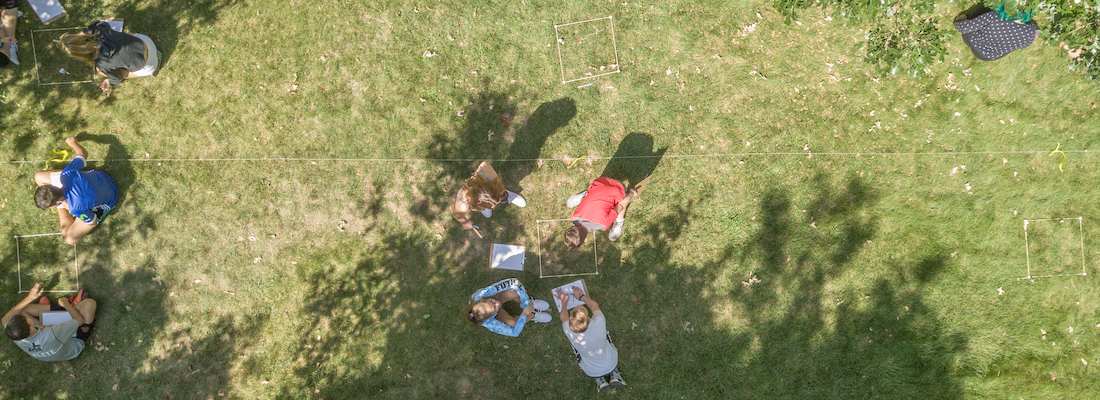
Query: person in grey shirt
[[991, 37], [115, 55], [52, 342]]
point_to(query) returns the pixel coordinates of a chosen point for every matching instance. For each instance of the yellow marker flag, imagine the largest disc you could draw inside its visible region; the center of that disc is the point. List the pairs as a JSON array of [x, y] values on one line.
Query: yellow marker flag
[[1056, 150], [575, 161], [64, 156]]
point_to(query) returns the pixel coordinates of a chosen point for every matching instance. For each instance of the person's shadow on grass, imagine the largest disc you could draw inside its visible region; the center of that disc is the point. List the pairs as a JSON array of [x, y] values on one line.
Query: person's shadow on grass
[[635, 159]]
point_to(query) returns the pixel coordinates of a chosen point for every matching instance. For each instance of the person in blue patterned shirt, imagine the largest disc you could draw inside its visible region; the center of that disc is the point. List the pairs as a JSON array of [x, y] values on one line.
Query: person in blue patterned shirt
[[486, 305], [88, 195]]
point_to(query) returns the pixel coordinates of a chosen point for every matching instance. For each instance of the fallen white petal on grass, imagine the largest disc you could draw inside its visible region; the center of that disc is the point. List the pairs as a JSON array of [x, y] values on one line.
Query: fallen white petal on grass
[[1000, 290]]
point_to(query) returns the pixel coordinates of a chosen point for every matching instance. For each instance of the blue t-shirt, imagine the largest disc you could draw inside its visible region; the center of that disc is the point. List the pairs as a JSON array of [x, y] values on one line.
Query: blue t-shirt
[[87, 191]]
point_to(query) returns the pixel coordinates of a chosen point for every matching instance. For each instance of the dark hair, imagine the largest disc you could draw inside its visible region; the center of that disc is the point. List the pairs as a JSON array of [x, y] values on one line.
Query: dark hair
[[575, 235], [46, 196], [18, 329]]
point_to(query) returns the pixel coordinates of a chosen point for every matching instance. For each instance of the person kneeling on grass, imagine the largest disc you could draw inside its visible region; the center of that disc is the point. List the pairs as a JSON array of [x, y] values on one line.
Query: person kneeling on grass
[[486, 305], [482, 192], [591, 342], [88, 195], [603, 205], [51, 342], [115, 55]]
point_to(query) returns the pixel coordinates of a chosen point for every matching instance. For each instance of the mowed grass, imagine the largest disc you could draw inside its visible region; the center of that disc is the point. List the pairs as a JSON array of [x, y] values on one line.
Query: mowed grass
[[811, 230]]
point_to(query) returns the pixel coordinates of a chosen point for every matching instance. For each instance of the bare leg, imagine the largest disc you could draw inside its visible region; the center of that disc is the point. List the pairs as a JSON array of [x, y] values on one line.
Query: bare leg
[[507, 295], [87, 308], [71, 229], [504, 317], [9, 18]]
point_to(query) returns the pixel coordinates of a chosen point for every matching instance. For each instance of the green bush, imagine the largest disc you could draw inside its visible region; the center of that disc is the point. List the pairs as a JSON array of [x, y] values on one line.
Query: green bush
[[904, 35]]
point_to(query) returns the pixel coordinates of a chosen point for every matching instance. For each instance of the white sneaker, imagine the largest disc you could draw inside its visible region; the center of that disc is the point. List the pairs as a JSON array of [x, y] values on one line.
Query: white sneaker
[[540, 305], [616, 230], [488, 212], [542, 317], [575, 200], [516, 198]]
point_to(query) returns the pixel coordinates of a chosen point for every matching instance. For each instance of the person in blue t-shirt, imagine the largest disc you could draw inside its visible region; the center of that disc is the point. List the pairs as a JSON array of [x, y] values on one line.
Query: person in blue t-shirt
[[485, 308], [88, 195]]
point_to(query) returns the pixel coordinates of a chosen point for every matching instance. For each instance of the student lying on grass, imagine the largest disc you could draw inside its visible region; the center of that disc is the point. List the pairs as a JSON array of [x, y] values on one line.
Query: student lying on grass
[[482, 192], [590, 340], [115, 55], [486, 306], [52, 342], [88, 195]]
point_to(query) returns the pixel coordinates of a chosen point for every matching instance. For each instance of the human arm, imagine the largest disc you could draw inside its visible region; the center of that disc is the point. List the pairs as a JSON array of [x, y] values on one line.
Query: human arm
[[78, 150], [458, 212], [64, 302], [587, 300], [497, 326], [34, 294]]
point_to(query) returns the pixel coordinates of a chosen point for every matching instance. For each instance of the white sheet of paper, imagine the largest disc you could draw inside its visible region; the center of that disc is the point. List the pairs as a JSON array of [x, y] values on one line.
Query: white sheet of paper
[[568, 289], [47, 10], [56, 318], [507, 256]]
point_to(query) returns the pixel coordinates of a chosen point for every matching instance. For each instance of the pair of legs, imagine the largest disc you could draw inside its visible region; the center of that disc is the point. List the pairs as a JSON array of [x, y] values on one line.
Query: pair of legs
[[613, 379], [86, 308], [511, 295], [72, 230]]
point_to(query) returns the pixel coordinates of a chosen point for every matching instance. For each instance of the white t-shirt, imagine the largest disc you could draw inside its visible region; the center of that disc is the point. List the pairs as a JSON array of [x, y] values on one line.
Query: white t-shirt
[[54, 342], [598, 356]]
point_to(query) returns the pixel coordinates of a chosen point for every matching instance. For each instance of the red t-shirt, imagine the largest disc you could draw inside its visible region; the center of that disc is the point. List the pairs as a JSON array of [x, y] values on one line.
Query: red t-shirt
[[598, 206]]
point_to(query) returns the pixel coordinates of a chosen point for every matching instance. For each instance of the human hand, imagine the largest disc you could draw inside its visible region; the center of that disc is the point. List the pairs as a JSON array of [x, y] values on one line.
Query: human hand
[[529, 310], [577, 292], [468, 225], [562, 297], [70, 141], [105, 86], [63, 302], [35, 292]]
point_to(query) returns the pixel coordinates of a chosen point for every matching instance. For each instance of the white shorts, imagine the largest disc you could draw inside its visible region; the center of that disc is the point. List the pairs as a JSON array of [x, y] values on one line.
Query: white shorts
[[152, 57]]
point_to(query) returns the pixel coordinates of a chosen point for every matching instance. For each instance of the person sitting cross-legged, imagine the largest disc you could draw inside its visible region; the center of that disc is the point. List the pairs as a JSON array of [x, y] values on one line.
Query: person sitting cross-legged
[[52, 342], [88, 195]]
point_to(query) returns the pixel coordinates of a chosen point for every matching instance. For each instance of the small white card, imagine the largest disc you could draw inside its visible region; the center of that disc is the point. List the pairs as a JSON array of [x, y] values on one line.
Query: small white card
[[507, 256], [568, 289]]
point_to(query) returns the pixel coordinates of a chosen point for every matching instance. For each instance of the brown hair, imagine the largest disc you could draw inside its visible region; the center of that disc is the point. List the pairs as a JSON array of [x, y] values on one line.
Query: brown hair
[[18, 328], [578, 319], [575, 235], [46, 196], [476, 314], [80, 47], [482, 194]]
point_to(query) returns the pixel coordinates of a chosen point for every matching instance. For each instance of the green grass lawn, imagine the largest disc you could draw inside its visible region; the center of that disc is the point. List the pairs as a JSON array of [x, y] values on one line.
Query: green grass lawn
[[812, 229]]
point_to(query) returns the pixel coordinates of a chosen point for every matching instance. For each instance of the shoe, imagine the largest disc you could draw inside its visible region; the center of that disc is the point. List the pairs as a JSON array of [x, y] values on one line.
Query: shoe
[[616, 230], [575, 200], [13, 48], [488, 212], [617, 379], [540, 305], [44, 301], [542, 317], [602, 385], [81, 295], [516, 198]]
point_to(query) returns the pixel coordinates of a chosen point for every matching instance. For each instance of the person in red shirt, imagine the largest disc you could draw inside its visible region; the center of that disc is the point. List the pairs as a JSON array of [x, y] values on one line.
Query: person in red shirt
[[601, 207]]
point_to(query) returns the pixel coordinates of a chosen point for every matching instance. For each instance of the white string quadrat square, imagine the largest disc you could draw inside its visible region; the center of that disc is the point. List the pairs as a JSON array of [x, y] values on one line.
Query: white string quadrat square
[[41, 69], [586, 48], [1042, 247]]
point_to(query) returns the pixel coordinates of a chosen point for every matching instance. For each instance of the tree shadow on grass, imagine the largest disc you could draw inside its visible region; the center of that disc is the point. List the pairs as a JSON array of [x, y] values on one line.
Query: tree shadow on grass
[[802, 328]]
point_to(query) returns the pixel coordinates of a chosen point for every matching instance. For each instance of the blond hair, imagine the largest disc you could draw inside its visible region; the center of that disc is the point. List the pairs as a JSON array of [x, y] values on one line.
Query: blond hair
[[80, 47], [482, 194], [578, 319], [477, 314]]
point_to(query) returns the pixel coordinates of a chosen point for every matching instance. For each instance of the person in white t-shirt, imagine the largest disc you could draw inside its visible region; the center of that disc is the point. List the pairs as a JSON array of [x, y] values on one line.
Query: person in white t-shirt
[[596, 354]]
